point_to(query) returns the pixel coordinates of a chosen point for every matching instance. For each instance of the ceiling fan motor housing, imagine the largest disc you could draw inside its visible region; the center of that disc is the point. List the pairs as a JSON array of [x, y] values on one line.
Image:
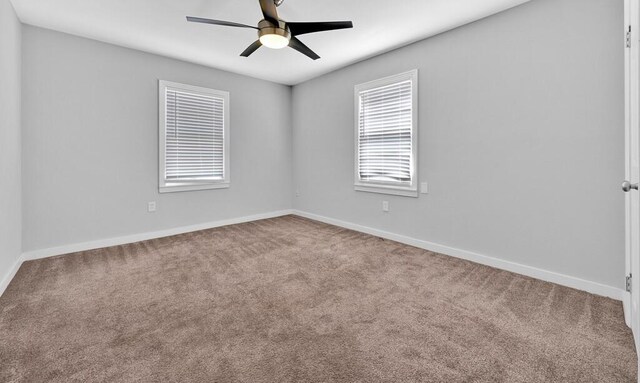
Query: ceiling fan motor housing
[[267, 28]]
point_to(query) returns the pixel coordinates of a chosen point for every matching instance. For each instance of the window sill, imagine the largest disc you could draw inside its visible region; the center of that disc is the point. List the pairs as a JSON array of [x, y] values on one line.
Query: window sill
[[404, 192], [186, 187]]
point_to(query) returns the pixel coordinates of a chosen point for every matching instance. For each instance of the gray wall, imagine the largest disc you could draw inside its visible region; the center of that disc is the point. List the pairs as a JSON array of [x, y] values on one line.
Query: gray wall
[[521, 139], [10, 184], [90, 140]]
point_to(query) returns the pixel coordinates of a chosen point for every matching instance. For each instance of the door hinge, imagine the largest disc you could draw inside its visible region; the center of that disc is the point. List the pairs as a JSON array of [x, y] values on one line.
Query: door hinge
[[628, 281], [629, 37]]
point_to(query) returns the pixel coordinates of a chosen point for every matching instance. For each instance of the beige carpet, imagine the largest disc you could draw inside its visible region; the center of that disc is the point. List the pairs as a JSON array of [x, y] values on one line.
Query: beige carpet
[[292, 300]]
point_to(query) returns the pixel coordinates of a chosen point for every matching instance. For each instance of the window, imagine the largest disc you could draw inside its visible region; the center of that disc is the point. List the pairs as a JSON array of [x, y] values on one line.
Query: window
[[194, 138], [386, 135]]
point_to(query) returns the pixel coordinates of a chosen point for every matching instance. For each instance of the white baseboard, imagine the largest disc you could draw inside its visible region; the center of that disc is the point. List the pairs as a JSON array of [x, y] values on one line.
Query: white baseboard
[[73, 248], [545, 275], [4, 283], [534, 272]]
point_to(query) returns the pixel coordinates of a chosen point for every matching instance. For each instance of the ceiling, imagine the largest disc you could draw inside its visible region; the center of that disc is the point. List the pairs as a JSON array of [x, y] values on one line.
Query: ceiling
[[159, 26]]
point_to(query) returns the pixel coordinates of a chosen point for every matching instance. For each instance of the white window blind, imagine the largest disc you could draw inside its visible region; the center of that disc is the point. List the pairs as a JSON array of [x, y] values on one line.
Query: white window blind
[[386, 133], [194, 135]]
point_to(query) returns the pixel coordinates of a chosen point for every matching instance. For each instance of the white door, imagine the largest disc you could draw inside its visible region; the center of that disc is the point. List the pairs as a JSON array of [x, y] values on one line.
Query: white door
[[632, 161]]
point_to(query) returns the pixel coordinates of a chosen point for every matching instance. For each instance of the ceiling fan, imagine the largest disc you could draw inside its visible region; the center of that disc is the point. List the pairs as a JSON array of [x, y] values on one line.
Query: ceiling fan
[[277, 34]]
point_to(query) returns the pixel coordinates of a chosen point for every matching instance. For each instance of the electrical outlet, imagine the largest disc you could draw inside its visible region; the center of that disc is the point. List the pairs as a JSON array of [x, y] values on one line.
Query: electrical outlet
[[151, 206], [385, 206], [297, 193], [424, 188]]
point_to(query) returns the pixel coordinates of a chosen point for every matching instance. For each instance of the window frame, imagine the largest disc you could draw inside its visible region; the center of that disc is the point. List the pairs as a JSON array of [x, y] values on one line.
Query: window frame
[[168, 186], [392, 188]]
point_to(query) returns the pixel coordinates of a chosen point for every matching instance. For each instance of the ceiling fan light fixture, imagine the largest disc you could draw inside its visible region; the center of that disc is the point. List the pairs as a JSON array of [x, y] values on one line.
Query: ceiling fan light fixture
[[274, 38], [274, 41]]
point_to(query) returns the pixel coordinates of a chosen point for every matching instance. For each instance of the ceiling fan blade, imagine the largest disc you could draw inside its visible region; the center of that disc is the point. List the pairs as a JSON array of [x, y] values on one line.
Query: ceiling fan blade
[[218, 22], [300, 47], [269, 11], [312, 27], [252, 48]]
